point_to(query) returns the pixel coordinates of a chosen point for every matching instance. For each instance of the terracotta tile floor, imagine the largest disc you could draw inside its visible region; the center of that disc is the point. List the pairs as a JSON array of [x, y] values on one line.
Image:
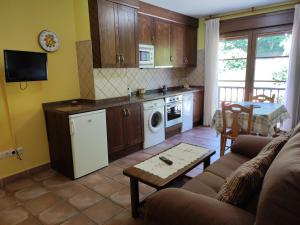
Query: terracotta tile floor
[[102, 197]]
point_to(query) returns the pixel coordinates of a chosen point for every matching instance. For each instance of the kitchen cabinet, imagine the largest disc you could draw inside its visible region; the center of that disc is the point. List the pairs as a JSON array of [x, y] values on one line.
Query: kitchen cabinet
[[190, 46], [124, 130], [113, 33], [162, 43], [178, 49], [198, 107], [145, 29]]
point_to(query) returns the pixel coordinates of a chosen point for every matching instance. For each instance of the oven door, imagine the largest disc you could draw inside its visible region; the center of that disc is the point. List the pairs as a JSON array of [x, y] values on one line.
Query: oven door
[[173, 114]]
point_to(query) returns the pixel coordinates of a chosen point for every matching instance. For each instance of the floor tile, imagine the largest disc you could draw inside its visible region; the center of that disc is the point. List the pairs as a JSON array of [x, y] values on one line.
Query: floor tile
[[122, 179], [139, 156], [42, 203], [146, 189], [122, 197], [103, 211], [43, 175], [13, 216], [111, 171], [108, 187], [56, 181], [19, 184], [124, 162], [154, 150], [31, 221], [69, 190], [91, 179], [57, 213], [30, 193], [85, 199], [8, 202], [2, 193], [79, 220], [123, 218]]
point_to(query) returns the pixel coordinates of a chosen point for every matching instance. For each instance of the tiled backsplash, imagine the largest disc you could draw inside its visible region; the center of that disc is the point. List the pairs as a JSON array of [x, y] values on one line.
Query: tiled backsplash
[[109, 83]]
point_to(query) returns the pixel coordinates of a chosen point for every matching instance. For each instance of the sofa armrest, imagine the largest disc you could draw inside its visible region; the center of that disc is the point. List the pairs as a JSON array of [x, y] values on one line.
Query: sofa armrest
[[249, 145], [173, 206]]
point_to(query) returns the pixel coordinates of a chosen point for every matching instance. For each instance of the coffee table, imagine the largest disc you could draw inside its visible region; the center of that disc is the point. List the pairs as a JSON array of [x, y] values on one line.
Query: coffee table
[[137, 175]]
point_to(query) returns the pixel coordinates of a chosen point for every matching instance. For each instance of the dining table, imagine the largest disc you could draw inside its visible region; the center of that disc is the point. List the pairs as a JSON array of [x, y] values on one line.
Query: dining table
[[266, 117]]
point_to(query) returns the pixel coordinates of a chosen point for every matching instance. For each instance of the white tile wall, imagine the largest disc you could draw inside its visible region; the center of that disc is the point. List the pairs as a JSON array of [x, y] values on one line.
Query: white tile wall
[[109, 83]]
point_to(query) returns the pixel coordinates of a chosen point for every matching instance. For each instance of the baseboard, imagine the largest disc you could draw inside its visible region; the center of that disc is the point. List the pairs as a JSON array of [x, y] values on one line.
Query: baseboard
[[23, 174]]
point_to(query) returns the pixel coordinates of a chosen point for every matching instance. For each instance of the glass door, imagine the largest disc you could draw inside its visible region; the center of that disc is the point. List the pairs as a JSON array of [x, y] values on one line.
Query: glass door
[[233, 53], [271, 64]]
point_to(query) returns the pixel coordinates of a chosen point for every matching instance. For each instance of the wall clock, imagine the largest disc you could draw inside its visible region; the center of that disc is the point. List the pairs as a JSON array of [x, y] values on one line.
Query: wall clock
[[49, 40]]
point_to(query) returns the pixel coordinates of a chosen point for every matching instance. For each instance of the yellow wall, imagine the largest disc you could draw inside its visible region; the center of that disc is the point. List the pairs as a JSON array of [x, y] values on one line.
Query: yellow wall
[[201, 29], [20, 23], [82, 20]]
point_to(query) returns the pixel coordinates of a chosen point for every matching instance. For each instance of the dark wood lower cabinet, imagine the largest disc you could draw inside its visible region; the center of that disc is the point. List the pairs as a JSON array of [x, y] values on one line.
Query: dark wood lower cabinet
[[125, 130], [198, 108]]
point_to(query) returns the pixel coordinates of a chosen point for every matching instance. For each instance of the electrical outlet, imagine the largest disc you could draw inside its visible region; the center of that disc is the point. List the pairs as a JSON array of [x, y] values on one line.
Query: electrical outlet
[[11, 153]]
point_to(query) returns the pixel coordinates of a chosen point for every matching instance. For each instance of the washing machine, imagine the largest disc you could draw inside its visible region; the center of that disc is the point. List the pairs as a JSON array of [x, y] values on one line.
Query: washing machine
[[154, 122]]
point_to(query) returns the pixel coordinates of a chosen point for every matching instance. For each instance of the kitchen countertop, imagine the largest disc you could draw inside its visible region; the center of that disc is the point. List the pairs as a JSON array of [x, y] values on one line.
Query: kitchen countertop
[[76, 106]]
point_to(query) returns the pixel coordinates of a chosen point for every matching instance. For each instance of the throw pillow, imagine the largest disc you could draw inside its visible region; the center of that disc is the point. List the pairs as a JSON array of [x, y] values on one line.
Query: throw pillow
[[248, 178]]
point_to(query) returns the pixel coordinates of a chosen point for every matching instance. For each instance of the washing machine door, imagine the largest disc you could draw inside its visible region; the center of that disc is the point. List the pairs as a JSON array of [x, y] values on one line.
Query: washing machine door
[[156, 120]]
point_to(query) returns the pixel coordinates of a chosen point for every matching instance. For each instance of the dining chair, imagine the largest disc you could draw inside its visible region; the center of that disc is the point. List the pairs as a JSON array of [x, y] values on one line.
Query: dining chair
[[263, 98], [231, 131]]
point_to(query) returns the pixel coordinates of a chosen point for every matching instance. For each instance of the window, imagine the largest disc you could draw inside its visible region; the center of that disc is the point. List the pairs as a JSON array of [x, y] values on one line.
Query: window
[[254, 63]]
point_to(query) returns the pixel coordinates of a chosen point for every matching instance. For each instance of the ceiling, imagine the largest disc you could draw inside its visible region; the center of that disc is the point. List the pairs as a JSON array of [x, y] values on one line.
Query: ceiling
[[199, 8]]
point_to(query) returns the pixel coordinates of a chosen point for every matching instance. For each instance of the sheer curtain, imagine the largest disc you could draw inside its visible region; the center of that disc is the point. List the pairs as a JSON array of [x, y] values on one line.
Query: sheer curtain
[[212, 35], [292, 97]]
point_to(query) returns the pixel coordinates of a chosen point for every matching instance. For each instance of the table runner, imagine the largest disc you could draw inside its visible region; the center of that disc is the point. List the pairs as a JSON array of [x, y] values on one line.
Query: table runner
[[181, 155]]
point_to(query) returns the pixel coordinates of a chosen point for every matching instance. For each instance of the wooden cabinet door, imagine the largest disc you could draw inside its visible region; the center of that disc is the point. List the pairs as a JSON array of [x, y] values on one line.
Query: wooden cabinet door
[[191, 46], [127, 40], [145, 29], [162, 43], [115, 120], [178, 51], [107, 33], [198, 107], [134, 124]]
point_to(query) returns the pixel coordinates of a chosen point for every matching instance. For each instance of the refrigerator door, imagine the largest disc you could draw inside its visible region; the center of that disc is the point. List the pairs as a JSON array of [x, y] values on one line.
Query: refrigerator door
[[89, 142], [187, 117]]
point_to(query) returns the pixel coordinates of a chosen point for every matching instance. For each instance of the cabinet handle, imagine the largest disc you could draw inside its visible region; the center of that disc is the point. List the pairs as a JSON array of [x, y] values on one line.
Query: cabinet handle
[[127, 112], [153, 38], [171, 58], [124, 112], [122, 58], [118, 58]]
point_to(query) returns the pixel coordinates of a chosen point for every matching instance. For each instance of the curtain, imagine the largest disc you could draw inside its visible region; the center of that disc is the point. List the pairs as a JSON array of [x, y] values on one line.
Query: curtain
[[292, 96], [212, 35]]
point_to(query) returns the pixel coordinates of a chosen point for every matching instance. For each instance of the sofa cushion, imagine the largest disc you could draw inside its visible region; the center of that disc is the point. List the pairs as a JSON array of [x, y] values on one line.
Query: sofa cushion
[[206, 184], [295, 130], [279, 201], [247, 179], [226, 165]]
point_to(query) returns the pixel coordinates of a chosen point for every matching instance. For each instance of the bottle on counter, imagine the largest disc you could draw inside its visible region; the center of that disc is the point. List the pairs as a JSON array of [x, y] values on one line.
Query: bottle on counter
[[129, 92]]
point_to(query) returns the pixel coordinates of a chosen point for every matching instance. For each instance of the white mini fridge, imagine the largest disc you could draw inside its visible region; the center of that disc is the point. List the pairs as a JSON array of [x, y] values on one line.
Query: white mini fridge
[[187, 112], [89, 142]]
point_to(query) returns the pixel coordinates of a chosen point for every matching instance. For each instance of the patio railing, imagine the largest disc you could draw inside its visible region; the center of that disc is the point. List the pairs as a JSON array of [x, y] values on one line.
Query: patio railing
[[236, 93]]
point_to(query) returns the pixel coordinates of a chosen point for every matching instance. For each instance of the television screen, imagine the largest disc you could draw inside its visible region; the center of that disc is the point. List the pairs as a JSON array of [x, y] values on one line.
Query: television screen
[[25, 66]]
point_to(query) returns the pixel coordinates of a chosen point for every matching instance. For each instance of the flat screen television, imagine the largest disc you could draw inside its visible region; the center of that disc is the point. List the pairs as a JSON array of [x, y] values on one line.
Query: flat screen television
[[25, 66]]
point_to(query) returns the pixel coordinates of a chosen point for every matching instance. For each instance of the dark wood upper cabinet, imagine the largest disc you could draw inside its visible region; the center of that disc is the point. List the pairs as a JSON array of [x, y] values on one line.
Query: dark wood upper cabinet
[[113, 34], [127, 32], [178, 56], [145, 29], [162, 43], [191, 46], [125, 130]]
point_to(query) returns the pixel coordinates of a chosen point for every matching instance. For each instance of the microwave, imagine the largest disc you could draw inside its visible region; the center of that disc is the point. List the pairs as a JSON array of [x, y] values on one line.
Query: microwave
[[146, 56]]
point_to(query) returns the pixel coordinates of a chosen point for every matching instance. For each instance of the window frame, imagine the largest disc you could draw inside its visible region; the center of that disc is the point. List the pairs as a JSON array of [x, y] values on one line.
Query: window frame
[[251, 52]]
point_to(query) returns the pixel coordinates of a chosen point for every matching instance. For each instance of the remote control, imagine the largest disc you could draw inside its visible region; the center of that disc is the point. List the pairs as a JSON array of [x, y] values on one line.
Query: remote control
[[167, 161]]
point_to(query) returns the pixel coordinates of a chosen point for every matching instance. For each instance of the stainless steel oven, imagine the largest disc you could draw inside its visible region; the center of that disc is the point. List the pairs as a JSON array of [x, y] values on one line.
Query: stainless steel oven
[[173, 110]]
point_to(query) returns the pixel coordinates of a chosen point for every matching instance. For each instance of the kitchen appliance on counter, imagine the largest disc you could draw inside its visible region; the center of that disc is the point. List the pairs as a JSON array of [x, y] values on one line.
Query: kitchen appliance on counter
[[173, 110], [146, 56], [187, 112], [89, 142], [154, 122]]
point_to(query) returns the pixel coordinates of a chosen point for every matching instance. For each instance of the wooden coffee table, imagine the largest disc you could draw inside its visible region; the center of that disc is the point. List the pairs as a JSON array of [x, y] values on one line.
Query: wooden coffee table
[[137, 175]]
